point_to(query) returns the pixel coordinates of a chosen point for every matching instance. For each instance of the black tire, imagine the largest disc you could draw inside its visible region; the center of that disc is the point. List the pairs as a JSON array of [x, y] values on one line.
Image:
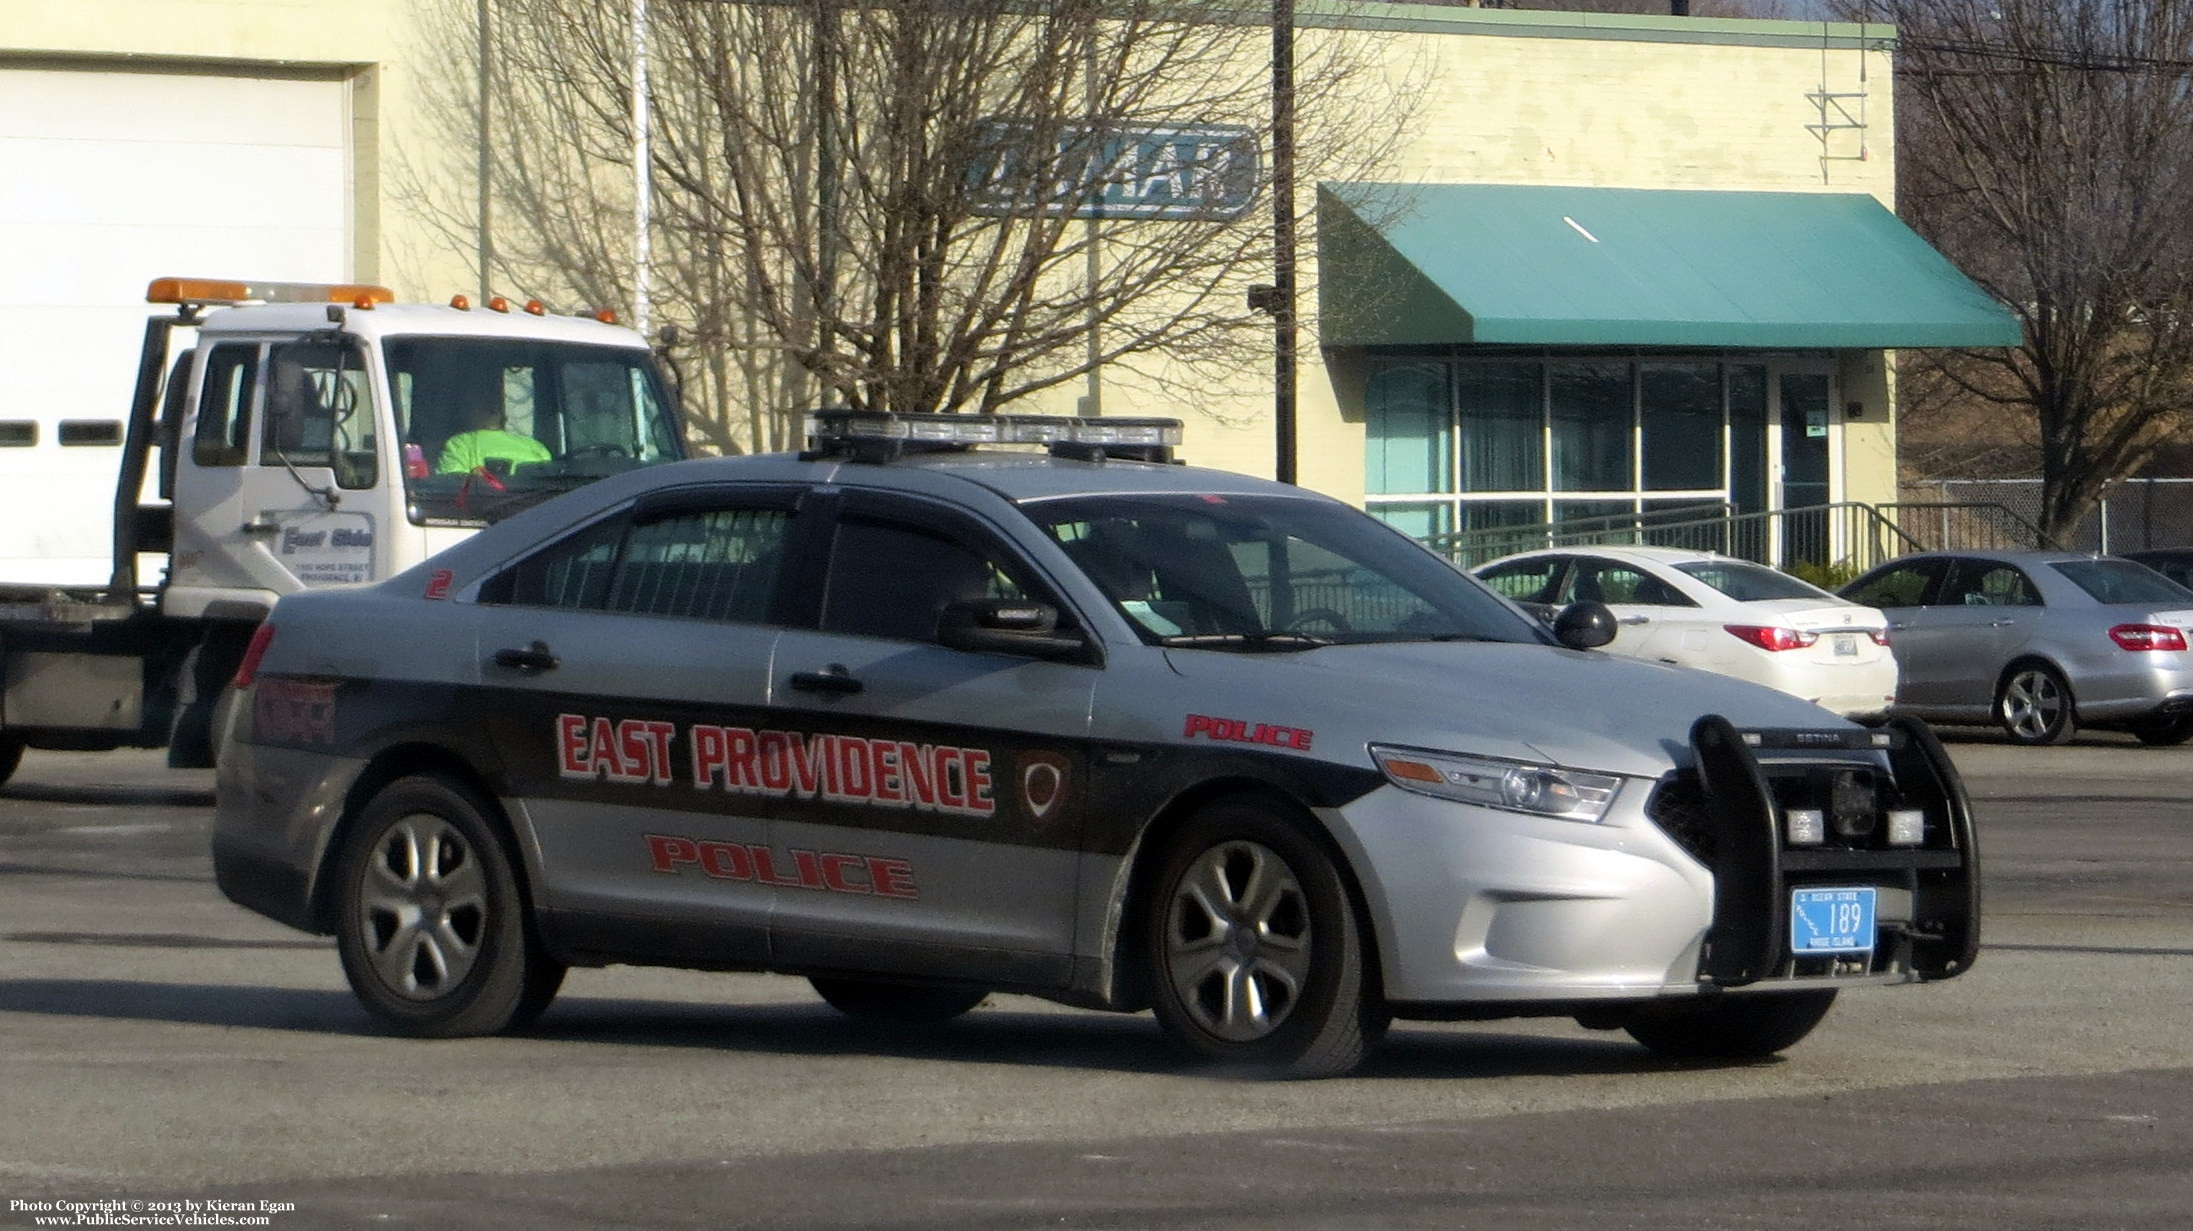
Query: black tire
[[2034, 705], [470, 961], [1255, 955], [1734, 1027], [11, 755], [2167, 731], [897, 1004]]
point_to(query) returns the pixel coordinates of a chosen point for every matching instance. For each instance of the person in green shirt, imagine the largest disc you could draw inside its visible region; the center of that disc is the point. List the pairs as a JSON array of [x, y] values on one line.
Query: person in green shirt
[[486, 439]]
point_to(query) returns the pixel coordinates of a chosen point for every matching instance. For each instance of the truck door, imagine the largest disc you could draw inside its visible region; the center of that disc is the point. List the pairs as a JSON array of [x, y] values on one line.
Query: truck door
[[282, 433]]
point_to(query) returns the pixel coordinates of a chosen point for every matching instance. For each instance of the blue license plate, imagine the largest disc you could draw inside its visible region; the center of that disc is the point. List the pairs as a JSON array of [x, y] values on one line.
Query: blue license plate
[[1831, 921]]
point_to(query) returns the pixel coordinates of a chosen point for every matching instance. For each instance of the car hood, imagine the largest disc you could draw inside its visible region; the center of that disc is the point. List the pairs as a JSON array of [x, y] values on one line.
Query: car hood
[[1585, 710]]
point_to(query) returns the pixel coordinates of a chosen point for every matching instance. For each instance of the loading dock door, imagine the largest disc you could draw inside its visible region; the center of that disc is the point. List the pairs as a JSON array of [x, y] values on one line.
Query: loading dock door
[[114, 178]]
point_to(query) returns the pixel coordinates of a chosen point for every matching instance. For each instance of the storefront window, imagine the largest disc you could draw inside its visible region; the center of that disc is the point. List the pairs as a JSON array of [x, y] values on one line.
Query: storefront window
[[1593, 423], [1679, 408], [1461, 445], [1502, 428], [1411, 424]]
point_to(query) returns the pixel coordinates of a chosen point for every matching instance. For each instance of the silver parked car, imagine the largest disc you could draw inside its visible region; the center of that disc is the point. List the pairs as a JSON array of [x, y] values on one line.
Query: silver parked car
[[2038, 641], [918, 721]]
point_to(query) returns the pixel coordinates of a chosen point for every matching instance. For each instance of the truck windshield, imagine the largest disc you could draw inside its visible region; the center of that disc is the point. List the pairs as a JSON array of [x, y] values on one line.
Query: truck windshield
[[490, 426]]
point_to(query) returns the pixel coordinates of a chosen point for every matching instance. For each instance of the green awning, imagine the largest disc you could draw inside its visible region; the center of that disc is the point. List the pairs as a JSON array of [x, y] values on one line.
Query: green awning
[[1437, 264]]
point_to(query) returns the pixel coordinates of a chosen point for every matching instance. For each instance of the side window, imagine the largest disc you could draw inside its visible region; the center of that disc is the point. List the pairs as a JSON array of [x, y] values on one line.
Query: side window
[[890, 579], [1526, 581], [1595, 580], [573, 572], [1619, 583], [717, 564], [319, 412], [1902, 586], [1986, 583], [224, 405]]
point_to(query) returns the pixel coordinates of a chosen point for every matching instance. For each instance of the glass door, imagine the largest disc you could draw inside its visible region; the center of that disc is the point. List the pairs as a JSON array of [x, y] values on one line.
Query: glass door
[[1803, 420]]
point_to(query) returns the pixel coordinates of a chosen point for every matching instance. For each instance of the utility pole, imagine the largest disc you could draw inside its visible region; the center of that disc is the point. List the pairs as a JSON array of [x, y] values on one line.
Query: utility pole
[[1283, 290]]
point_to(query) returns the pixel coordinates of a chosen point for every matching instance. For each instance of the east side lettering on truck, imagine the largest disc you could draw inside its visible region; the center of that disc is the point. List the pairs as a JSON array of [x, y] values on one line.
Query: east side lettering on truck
[[830, 871], [786, 764]]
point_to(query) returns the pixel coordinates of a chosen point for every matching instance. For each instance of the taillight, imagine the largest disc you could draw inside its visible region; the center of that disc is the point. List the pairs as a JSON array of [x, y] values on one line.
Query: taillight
[[1879, 635], [1773, 637], [2147, 637], [261, 638]]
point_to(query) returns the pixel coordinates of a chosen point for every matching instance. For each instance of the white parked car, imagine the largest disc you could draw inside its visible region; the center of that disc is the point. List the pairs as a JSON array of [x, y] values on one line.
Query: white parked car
[[1719, 613]]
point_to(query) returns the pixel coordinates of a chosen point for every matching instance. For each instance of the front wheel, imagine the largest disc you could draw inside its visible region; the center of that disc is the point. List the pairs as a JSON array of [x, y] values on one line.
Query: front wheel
[[897, 1004], [2033, 704], [1254, 949], [431, 925], [1734, 1027]]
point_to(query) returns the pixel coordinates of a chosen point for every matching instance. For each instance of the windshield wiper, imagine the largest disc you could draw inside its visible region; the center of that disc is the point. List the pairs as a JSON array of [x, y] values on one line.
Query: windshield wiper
[[1262, 642]]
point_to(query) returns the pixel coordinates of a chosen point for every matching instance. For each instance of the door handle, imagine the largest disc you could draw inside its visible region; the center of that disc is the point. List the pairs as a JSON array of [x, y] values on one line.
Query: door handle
[[256, 526], [2001, 623], [1634, 619], [1899, 626], [833, 680], [535, 657]]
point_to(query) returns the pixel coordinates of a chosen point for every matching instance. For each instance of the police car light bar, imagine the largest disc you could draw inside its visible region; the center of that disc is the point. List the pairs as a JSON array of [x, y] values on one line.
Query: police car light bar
[[874, 435]]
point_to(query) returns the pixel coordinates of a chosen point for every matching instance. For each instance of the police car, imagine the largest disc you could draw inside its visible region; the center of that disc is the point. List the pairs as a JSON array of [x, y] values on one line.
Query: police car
[[952, 705]]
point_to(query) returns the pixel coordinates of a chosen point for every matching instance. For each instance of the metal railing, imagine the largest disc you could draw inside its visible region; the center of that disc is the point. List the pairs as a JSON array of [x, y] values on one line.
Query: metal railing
[[1847, 536]]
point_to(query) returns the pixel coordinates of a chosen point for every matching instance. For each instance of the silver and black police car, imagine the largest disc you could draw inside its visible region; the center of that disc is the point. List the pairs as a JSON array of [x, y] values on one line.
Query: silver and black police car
[[920, 717]]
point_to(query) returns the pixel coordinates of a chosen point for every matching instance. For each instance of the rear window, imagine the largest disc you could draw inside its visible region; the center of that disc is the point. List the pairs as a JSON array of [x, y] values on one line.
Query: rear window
[[2122, 581], [1747, 582]]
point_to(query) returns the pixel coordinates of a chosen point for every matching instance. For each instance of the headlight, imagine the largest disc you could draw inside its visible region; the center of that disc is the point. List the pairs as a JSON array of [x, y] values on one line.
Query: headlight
[[1515, 786]]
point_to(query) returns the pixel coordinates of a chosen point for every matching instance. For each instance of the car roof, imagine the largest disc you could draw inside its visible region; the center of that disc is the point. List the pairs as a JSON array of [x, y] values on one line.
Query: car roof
[[1015, 477], [2005, 555]]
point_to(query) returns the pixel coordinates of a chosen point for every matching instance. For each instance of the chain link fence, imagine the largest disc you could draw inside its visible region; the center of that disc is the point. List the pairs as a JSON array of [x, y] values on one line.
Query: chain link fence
[[2134, 514]]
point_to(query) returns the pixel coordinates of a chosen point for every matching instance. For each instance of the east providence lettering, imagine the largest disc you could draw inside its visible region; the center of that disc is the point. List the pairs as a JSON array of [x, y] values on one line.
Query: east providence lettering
[[833, 768]]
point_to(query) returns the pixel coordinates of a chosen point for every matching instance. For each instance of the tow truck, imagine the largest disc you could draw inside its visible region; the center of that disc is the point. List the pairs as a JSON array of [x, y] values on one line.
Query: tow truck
[[285, 436]]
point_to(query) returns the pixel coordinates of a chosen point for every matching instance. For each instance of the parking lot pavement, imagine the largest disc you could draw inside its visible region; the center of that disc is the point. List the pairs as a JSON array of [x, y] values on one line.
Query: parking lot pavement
[[156, 1039]]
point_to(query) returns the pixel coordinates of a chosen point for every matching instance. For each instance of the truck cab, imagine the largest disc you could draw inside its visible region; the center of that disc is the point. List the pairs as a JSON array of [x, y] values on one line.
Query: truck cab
[[313, 451], [291, 436]]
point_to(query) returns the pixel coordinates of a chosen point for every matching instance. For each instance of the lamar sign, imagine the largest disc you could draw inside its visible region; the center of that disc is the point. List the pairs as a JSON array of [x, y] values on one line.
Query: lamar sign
[[1202, 172]]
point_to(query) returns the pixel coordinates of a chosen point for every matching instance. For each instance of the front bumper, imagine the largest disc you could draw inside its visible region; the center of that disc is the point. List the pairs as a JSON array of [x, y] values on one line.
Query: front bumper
[[1478, 908]]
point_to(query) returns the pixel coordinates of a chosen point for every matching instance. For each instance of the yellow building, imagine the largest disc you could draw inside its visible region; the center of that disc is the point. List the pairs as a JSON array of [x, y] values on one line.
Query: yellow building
[[1619, 264]]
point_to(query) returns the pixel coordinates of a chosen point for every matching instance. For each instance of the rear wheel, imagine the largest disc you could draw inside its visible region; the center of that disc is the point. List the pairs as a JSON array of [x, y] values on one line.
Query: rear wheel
[[431, 924], [902, 1004], [1255, 953], [2033, 704], [11, 755], [2161, 732], [1734, 1027]]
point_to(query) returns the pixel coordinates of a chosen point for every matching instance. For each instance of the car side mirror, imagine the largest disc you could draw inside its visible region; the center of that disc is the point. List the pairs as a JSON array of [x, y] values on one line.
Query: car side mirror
[[1585, 626], [1006, 626]]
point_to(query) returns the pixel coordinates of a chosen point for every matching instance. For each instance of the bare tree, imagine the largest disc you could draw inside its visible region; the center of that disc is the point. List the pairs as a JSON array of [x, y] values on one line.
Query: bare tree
[[911, 205], [2047, 147]]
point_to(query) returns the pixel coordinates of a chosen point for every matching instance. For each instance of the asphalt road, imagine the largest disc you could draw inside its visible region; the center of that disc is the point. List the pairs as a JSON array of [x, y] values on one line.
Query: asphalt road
[[160, 1045]]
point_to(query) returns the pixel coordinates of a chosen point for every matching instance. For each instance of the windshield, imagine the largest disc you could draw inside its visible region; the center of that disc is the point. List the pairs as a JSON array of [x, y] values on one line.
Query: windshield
[[1748, 583], [1270, 573], [493, 425], [2122, 581]]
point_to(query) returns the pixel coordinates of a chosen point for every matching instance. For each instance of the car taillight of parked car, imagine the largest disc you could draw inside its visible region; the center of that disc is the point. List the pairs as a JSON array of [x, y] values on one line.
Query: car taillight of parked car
[[2147, 637], [1773, 637]]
